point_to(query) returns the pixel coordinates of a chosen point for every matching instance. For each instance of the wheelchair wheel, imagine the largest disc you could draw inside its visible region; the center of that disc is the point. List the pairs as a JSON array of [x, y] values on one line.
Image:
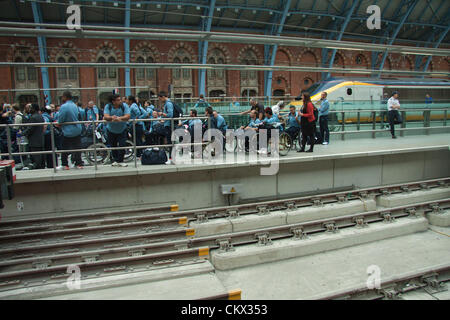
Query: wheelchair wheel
[[285, 144], [101, 157], [231, 143], [129, 153]]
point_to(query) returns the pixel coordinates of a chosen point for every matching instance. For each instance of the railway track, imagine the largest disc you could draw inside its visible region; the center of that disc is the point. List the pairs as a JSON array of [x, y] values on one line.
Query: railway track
[[40, 251], [48, 269], [432, 281]]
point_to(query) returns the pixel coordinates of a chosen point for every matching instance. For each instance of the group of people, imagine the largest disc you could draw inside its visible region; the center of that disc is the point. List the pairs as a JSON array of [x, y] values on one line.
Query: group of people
[[302, 121], [117, 128]]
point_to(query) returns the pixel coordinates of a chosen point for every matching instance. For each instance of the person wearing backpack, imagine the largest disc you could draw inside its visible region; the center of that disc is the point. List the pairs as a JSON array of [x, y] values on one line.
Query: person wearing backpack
[[117, 114], [137, 112], [168, 112], [48, 137], [307, 122]]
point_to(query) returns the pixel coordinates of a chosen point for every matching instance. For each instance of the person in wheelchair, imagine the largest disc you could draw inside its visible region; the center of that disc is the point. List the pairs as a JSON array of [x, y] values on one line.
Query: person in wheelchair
[[252, 126], [271, 121], [293, 123], [152, 137]]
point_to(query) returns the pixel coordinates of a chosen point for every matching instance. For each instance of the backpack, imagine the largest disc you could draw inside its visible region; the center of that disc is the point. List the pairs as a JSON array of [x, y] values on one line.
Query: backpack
[[316, 113], [110, 106], [153, 156], [177, 111]]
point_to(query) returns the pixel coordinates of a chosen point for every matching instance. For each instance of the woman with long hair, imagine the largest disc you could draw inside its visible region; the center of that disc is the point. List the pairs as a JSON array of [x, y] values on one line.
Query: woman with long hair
[[307, 122]]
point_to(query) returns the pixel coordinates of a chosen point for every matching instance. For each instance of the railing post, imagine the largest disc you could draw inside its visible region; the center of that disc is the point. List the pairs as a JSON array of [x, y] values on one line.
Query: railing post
[[170, 136], [445, 117], [358, 123], [427, 121], [343, 125], [402, 133], [8, 135], [374, 123], [52, 138], [94, 129], [134, 143]]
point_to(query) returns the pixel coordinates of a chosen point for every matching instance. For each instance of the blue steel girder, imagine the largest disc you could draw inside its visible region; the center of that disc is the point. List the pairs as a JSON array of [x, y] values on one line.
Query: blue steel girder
[[436, 45], [341, 34], [37, 16], [127, 47], [279, 29], [16, 8], [203, 46], [397, 30]]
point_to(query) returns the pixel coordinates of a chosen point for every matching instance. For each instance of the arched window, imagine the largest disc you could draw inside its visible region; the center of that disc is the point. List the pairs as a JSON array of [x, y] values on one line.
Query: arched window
[[109, 73], [212, 72], [186, 72], [31, 71], [73, 72], [62, 72], [112, 72], [20, 71], [140, 72], [101, 70], [176, 72], [249, 58]]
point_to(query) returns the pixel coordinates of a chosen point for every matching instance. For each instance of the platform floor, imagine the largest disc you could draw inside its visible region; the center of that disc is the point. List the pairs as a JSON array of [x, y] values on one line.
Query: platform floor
[[337, 149], [316, 275]]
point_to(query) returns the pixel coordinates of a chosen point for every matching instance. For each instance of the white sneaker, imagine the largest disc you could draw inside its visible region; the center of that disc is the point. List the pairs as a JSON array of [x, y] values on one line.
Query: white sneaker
[[325, 143], [114, 164], [262, 151], [169, 162], [122, 164]]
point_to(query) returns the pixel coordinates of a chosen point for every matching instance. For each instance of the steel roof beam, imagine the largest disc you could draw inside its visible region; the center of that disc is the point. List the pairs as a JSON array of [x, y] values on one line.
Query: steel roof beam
[[397, 30], [42, 43], [268, 78], [436, 45], [203, 48], [127, 48]]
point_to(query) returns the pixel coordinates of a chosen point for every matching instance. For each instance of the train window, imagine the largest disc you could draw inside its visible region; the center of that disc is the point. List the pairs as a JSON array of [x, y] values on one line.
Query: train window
[[349, 91]]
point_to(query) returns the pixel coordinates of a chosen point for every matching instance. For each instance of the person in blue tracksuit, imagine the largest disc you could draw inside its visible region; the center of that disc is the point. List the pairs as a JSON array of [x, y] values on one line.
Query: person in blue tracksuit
[[69, 112], [293, 123], [324, 110], [137, 112]]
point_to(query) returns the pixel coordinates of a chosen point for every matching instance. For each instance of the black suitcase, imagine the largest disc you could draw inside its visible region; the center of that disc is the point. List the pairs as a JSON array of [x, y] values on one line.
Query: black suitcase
[[152, 156]]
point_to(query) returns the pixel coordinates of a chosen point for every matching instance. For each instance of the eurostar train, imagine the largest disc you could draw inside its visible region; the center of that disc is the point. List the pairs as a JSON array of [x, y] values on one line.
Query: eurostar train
[[372, 94], [372, 91]]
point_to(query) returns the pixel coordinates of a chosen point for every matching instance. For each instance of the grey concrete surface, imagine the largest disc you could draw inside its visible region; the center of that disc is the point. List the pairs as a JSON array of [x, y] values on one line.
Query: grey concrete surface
[[441, 219], [402, 199], [109, 287], [340, 164], [284, 249], [342, 269]]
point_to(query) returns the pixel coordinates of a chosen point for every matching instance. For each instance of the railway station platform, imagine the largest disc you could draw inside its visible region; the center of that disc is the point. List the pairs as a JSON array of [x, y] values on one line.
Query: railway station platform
[[341, 165]]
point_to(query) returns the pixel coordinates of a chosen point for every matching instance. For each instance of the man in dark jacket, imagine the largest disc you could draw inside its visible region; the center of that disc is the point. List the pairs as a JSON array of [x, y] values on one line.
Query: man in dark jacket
[[35, 135]]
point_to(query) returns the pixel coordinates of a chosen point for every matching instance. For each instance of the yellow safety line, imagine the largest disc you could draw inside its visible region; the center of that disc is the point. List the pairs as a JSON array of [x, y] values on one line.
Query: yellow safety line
[[234, 294], [174, 207], [182, 220], [190, 232], [444, 234], [203, 251]]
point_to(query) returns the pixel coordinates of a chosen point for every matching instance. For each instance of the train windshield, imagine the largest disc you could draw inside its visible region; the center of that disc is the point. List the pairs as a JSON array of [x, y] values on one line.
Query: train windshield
[[312, 90]]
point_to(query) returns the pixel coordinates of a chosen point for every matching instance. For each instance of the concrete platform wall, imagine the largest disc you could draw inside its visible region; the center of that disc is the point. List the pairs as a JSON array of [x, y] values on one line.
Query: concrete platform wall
[[201, 188]]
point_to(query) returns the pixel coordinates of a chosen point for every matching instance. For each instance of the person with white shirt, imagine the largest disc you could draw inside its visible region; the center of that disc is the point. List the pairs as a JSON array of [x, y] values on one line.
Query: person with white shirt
[[394, 117]]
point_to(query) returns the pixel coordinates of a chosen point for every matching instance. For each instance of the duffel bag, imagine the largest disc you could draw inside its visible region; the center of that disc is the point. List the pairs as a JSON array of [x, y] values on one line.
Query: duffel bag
[[153, 156]]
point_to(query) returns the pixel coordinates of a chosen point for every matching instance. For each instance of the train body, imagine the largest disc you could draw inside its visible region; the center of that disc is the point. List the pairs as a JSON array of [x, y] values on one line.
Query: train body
[[367, 93]]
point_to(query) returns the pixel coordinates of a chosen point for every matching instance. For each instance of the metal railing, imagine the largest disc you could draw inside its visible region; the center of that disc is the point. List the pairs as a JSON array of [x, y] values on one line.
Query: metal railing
[[358, 121]]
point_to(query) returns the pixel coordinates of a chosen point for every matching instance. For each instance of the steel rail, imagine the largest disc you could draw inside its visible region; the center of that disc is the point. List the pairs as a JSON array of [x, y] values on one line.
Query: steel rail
[[260, 235], [419, 280]]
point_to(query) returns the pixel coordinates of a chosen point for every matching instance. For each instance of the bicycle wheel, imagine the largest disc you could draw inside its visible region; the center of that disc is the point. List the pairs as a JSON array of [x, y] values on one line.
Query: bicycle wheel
[[285, 144], [101, 157]]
